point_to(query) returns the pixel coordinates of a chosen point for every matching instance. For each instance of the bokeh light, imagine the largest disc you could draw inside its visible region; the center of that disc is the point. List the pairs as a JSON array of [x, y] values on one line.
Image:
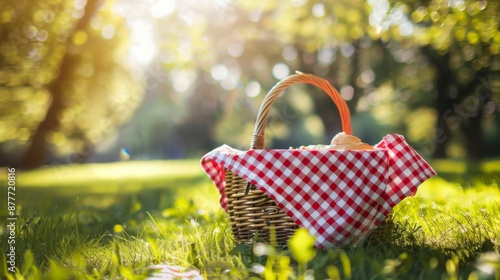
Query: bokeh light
[[162, 8], [219, 72], [347, 92], [144, 46], [253, 89], [194, 54], [124, 154], [280, 71], [235, 49], [118, 228], [290, 53]]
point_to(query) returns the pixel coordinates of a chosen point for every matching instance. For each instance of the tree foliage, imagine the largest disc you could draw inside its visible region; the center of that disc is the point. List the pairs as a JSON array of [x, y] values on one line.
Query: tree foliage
[[426, 69], [65, 78], [461, 39]]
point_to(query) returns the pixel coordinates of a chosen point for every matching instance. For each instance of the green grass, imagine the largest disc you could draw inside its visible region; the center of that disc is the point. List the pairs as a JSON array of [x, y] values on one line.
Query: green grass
[[113, 221]]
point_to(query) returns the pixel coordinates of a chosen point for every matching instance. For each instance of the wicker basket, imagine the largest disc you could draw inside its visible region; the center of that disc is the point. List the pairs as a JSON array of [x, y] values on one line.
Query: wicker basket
[[252, 213]]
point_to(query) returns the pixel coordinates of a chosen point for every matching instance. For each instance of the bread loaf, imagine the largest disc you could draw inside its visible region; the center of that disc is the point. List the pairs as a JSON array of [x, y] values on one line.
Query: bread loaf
[[341, 141]]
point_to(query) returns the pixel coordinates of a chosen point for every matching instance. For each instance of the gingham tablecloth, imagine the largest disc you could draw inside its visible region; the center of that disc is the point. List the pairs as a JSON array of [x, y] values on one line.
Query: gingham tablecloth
[[171, 272], [339, 196]]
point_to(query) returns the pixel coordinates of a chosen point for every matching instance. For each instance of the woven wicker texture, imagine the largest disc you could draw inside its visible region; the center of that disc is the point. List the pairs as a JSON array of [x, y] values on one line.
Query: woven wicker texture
[[253, 214]]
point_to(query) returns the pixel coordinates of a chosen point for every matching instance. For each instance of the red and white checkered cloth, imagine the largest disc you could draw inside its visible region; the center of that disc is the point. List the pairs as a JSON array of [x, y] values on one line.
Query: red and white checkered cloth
[[339, 196], [171, 272]]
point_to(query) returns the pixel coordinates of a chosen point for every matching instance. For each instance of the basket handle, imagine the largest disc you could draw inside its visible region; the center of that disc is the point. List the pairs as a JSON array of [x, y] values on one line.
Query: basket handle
[[258, 137]]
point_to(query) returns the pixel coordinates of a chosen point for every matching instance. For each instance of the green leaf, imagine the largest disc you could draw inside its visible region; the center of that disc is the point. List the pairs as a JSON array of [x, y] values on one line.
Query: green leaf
[[116, 254], [4, 273], [56, 271], [126, 273], [154, 247], [346, 264], [28, 262], [243, 249], [3, 264], [333, 272]]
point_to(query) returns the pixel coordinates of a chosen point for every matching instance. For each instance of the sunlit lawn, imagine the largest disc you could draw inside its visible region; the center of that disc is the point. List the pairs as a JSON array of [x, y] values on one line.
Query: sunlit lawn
[[116, 220]]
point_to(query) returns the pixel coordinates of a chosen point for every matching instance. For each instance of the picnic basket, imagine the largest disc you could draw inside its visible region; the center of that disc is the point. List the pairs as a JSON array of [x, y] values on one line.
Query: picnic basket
[[254, 215]]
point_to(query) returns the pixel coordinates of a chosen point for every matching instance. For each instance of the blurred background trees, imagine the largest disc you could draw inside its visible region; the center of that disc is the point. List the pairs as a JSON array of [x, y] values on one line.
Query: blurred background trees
[[64, 80], [101, 80]]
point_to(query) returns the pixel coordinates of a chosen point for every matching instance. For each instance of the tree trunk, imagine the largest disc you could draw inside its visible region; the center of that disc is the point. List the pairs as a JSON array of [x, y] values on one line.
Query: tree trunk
[[443, 107], [473, 98], [39, 149], [474, 138], [462, 112], [444, 102]]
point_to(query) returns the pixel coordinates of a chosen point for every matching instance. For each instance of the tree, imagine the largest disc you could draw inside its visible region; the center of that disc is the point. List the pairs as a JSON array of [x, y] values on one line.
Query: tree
[[405, 65], [34, 155], [68, 61], [252, 38], [366, 47], [462, 42]]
